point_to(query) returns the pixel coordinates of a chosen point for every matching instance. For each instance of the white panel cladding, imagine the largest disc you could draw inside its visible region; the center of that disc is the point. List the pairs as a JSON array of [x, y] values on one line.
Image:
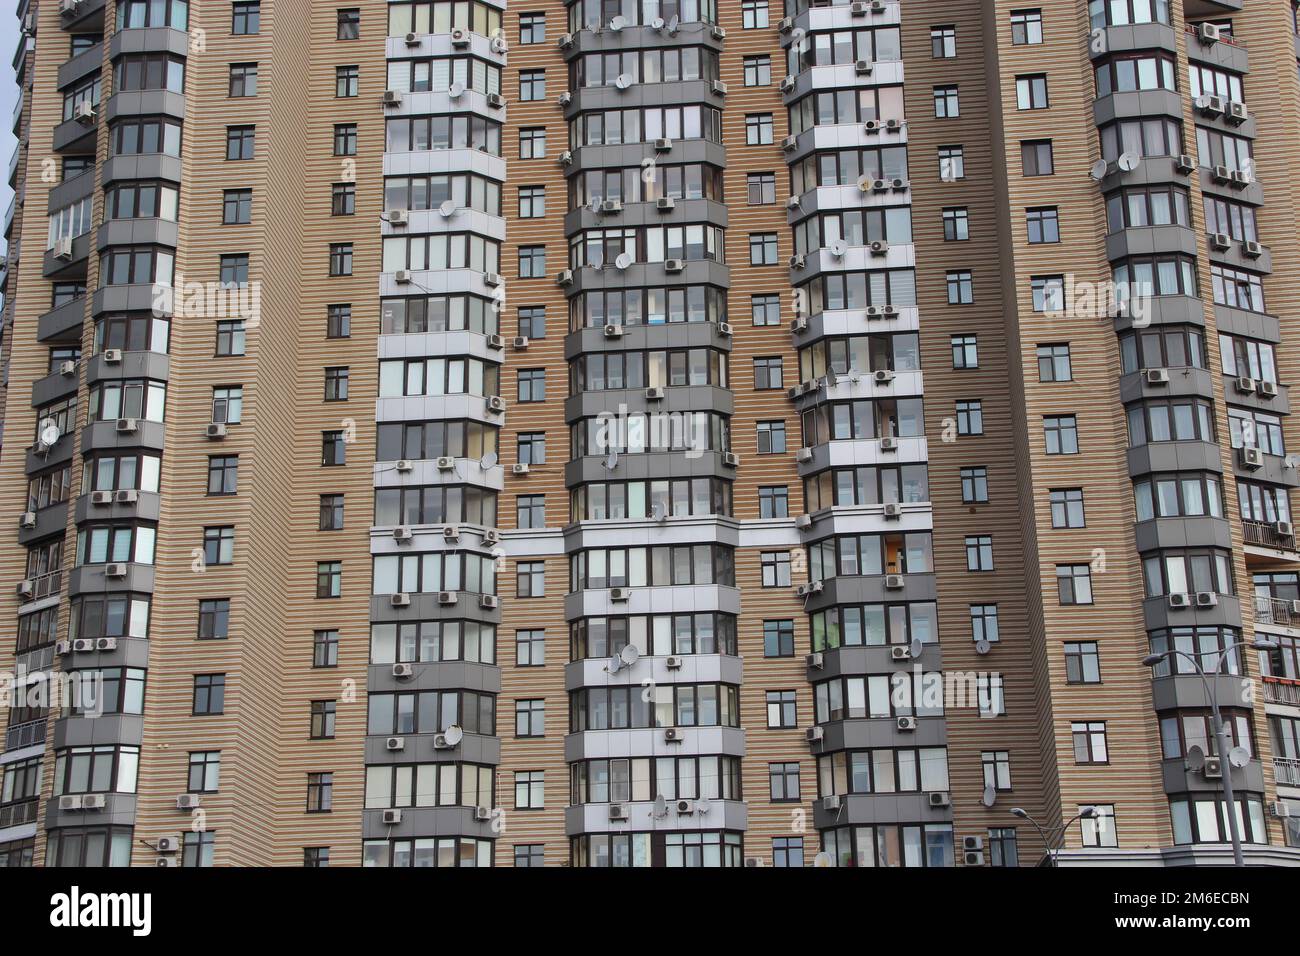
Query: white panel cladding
[[464, 471], [665, 599], [649, 742]]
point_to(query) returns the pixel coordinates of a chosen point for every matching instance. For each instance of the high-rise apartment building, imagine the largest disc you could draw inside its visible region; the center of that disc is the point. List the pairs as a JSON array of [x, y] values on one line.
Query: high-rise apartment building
[[661, 433]]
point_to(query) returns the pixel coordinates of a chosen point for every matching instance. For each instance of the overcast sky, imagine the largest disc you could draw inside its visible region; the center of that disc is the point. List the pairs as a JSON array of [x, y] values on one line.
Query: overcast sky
[[8, 96]]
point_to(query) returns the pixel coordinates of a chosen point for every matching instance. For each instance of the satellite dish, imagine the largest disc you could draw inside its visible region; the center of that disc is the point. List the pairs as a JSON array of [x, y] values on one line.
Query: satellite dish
[[456, 90], [615, 664], [658, 23], [983, 647], [447, 209], [1195, 759], [617, 23], [702, 805], [623, 81], [660, 808], [864, 182], [1127, 162], [489, 460], [1239, 757], [49, 433], [611, 460], [596, 204], [1098, 171], [838, 248], [623, 260], [917, 648], [831, 379], [823, 860], [673, 24], [453, 735], [990, 796], [629, 655]]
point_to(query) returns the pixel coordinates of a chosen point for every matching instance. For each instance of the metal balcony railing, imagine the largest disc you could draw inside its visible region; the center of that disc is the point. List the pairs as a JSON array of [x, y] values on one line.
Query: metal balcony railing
[[16, 814], [25, 735], [1266, 535], [1287, 771], [1271, 610], [1281, 692]]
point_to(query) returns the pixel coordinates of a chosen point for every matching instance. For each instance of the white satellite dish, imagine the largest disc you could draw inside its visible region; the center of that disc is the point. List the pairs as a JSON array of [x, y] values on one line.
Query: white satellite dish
[[658, 23], [1195, 759], [838, 248], [629, 655], [1127, 162], [596, 204], [623, 260], [917, 648], [50, 433], [831, 379], [617, 23], [453, 735], [489, 460], [823, 860], [702, 805], [456, 90], [1239, 757], [615, 664], [623, 81], [611, 460], [660, 808], [1098, 171], [673, 24], [990, 797], [983, 647], [447, 209]]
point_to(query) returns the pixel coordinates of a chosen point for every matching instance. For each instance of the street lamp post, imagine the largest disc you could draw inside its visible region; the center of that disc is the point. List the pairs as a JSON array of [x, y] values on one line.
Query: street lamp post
[[1216, 721], [1057, 839]]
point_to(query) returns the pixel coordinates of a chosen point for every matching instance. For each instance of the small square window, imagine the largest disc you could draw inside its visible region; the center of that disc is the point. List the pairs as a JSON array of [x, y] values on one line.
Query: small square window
[[532, 28], [349, 24]]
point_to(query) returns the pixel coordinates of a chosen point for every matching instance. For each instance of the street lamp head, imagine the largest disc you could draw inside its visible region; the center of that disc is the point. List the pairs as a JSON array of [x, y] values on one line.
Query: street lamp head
[[1264, 644], [1019, 812], [1088, 813], [1151, 660]]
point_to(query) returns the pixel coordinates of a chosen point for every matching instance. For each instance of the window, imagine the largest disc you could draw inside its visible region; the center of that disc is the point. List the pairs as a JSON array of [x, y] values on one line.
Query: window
[[532, 202], [1089, 742], [530, 579], [758, 129], [333, 449], [776, 569], [246, 18], [974, 485], [532, 142], [349, 24], [965, 353], [979, 552], [323, 713], [765, 309], [1047, 292], [198, 849], [243, 79], [325, 648], [230, 338], [530, 511], [343, 199], [778, 638], [205, 772], [1067, 507], [340, 258], [315, 857], [530, 448], [961, 288], [783, 782], [239, 142], [1074, 583], [530, 648], [1026, 27], [1082, 663], [1036, 157], [532, 28], [530, 718], [956, 224], [943, 42], [219, 545], [945, 102], [762, 249], [997, 769], [209, 694], [970, 418], [1054, 363], [530, 789], [530, 854], [237, 207], [320, 792], [228, 404], [758, 70], [773, 501], [787, 851], [329, 579], [984, 623], [1002, 847], [1031, 92], [345, 139], [1100, 829], [781, 709], [338, 321], [1061, 433], [1043, 225], [952, 163], [532, 385], [331, 512], [753, 14], [767, 373], [532, 85], [347, 81], [532, 322], [214, 619], [223, 474], [336, 384], [771, 438], [532, 262], [761, 188]]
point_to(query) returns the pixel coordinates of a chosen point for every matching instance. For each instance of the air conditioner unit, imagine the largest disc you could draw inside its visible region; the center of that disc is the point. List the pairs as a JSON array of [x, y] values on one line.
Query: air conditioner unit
[[663, 144], [816, 661], [654, 393], [685, 808], [871, 126], [971, 858], [906, 723], [786, 24], [972, 844], [673, 735], [858, 9], [617, 811], [482, 814], [1180, 600], [1222, 174], [392, 97], [495, 100], [673, 662], [101, 498], [882, 376], [446, 598], [816, 734], [68, 368], [564, 277], [787, 84], [445, 463], [565, 98], [719, 88], [1208, 33], [1240, 179], [790, 143], [1185, 163], [1251, 248], [402, 276], [70, 801], [799, 325], [519, 468], [1220, 241], [413, 39], [459, 38], [115, 570], [26, 588], [731, 459], [93, 801], [611, 206], [900, 652], [1210, 105], [566, 41], [491, 536], [798, 262], [893, 124], [395, 743], [28, 520], [403, 670], [620, 594], [105, 644], [879, 247], [674, 265], [1207, 599], [893, 509], [84, 113], [1237, 113], [451, 532], [939, 798], [215, 430], [665, 204], [1245, 385], [83, 645], [863, 67], [392, 817], [398, 217], [489, 602], [1157, 376], [1213, 768], [496, 404], [803, 455], [894, 582], [613, 331], [1283, 528], [400, 599], [188, 801], [889, 443], [565, 158]]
